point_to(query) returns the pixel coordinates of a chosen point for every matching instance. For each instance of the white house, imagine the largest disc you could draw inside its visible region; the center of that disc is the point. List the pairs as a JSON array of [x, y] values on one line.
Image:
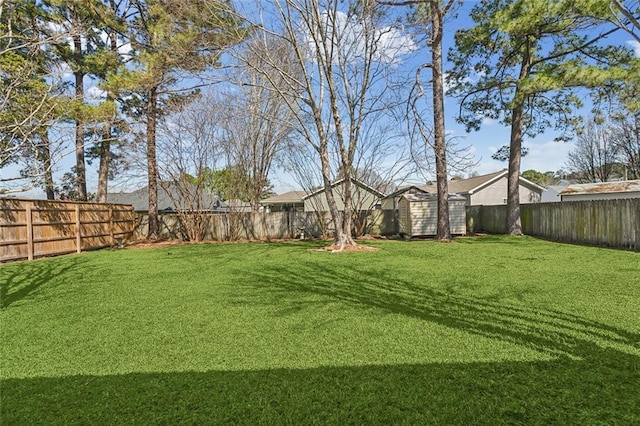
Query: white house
[[552, 193]]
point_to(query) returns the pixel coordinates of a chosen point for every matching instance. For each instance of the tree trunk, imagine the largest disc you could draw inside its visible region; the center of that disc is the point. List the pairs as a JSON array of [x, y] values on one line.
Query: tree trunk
[[443, 229], [339, 238], [107, 135], [152, 165], [81, 174], [514, 226], [46, 163], [342, 237], [346, 238], [103, 168]]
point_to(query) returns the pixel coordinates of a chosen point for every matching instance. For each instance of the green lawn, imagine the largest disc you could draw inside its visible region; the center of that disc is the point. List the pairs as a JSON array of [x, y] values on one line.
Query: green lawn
[[486, 330]]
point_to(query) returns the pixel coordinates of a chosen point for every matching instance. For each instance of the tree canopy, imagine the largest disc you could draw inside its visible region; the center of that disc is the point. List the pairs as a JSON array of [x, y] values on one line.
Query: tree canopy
[[519, 63]]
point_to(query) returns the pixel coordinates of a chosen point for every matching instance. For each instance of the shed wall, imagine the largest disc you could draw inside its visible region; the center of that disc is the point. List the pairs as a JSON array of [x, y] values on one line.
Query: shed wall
[[404, 217], [457, 217], [420, 218]]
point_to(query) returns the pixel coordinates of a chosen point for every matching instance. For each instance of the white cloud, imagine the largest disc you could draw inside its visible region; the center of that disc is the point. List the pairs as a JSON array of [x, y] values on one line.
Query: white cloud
[[60, 33], [61, 71], [124, 49], [486, 121], [392, 44], [447, 86], [542, 156], [546, 156], [96, 93], [350, 38], [636, 46]]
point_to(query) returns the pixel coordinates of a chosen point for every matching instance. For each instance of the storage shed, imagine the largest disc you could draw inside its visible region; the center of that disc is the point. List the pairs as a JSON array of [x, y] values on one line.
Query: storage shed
[[418, 214]]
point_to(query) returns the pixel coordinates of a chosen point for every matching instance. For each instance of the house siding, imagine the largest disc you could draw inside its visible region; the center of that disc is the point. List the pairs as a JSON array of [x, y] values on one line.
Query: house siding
[[496, 193], [362, 199]]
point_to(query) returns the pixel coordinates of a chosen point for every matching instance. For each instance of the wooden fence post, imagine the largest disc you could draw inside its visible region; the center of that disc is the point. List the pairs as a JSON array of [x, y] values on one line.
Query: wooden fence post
[[78, 230], [29, 232]]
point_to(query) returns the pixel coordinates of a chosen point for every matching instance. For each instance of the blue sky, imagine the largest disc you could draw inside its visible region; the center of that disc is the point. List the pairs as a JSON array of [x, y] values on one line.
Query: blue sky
[[544, 153]]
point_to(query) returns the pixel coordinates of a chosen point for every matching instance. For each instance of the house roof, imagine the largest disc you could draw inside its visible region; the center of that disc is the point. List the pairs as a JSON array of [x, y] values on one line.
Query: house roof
[[338, 182], [602, 188], [291, 197], [139, 199], [238, 205], [474, 184]]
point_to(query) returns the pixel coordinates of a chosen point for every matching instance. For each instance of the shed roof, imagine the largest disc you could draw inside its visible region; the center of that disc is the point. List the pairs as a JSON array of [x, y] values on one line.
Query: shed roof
[[411, 189], [624, 186], [431, 197]]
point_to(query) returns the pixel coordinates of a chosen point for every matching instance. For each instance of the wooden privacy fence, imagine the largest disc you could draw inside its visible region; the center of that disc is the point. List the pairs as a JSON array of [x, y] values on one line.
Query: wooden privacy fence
[[35, 228], [257, 225], [227, 226], [613, 223]]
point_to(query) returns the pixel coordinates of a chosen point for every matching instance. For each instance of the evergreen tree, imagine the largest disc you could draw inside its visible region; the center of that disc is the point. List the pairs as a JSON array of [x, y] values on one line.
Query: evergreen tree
[[519, 63], [171, 40]]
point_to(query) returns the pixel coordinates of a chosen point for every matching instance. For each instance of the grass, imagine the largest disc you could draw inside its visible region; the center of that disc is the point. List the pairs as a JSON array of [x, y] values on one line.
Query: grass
[[487, 330]]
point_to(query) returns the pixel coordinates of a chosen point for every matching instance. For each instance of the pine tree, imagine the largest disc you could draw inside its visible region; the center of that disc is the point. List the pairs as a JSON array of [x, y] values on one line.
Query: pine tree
[[171, 39], [519, 63]]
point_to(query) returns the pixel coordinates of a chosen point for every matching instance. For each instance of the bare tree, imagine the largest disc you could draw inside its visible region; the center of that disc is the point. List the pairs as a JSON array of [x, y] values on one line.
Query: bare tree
[[432, 13], [626, 138], [347, 53], [173, 41], [595, 153], [189, 147], [258, 124]]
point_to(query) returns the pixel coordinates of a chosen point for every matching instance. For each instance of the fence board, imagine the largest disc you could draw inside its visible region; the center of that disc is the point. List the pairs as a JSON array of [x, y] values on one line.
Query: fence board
[[613, 223], [261, 226], [36, 228]]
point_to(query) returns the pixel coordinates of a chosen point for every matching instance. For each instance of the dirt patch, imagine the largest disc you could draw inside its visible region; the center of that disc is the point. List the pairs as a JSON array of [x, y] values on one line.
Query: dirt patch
[[348, 249], [169, 243], [152, 244]]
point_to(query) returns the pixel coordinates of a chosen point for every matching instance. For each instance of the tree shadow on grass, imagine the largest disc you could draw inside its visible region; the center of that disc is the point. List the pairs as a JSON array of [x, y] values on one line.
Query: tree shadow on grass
[[552, 332], [594, 377], [25, 279], [604, 390]]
